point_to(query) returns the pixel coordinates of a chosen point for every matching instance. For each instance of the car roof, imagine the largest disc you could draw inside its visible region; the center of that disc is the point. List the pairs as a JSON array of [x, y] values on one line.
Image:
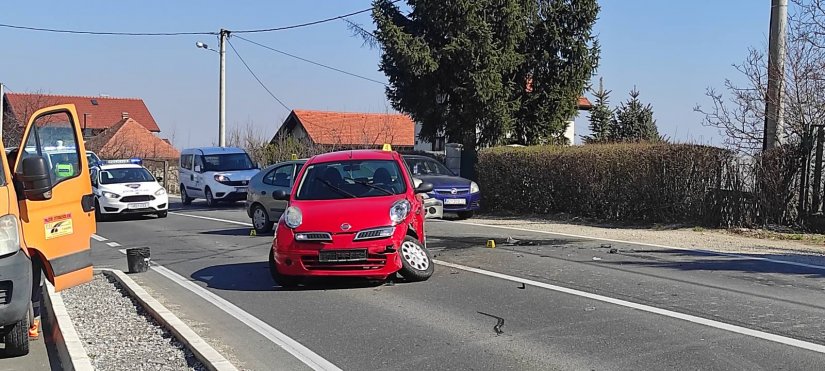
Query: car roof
[[212, 150], [419, 157], [360, 154], [120, 166]]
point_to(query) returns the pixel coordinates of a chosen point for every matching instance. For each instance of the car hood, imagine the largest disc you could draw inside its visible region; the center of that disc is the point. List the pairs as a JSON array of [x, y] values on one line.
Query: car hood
[[130, 189], [359, 213], [238, 174], [445, 181]]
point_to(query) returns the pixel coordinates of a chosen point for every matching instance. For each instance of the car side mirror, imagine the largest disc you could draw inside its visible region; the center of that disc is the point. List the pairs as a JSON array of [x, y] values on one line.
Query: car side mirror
[[197, 168], [424, 188], [159, 178], [37, 184], [280, 195]]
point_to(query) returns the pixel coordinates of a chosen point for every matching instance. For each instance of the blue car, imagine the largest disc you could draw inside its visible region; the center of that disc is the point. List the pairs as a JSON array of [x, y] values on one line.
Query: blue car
[[459, 195]]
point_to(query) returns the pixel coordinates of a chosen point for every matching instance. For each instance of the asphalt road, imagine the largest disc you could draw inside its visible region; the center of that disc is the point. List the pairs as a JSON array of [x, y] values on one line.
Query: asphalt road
[[583, 306]]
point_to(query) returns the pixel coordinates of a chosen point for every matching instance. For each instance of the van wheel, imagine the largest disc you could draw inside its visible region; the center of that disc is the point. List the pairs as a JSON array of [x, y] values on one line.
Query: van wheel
[[184, 198], [282, 280], [416, 263], [210, 199], [17, 339], [260, 220]]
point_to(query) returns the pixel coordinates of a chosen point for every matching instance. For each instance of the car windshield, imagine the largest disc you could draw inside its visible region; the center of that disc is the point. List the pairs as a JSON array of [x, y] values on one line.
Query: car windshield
[[351, 179], [426, 166], [125, 175], [227, 162]]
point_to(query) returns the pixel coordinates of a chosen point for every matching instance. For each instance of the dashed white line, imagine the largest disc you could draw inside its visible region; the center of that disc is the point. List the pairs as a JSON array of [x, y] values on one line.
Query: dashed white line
[[113, 244], [647, 308], [710, 252], [98, 238], [212, 219], [293, 347]]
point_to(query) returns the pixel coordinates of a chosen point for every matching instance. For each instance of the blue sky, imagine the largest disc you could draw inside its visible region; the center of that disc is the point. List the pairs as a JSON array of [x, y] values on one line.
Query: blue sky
[[670, 50]]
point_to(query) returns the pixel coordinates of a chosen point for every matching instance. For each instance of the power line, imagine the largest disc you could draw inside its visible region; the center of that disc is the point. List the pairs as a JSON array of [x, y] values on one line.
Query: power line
[[310, 23], [256, 76], [312, 62], [83, 32]]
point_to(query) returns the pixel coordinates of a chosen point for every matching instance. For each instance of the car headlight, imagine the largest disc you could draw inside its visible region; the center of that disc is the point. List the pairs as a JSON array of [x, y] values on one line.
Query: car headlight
[[9, 235], [160, 192], [110, 195], [293, 217], [474, 187], [399, 211], [222, 178]]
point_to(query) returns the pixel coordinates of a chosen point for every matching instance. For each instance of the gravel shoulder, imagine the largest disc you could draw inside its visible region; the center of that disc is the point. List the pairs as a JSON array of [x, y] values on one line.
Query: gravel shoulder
[[694, 238], [118, 334]]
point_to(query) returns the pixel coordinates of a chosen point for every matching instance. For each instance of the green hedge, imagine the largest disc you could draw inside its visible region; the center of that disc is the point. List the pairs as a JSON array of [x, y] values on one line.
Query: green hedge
[[627, 182]]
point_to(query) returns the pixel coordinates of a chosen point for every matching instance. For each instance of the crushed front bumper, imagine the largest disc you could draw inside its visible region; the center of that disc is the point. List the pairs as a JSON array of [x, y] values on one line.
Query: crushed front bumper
[[15, 287]]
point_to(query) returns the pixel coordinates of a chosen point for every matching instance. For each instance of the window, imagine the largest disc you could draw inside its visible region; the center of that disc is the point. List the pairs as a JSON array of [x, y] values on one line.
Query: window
[[53, 137], [125, 175], [94, 174], [426, 166], [280, 177], [186, 162], [351, 179], [199, 163], [226, 162]]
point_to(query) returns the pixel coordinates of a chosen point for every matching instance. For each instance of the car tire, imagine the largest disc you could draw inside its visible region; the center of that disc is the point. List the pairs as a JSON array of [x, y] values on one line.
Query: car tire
[[416, 262], [184, 198], [17, 338], [163, 214], [99, 215], [282, 280], [465, 214], [210, 198], [261, 227]]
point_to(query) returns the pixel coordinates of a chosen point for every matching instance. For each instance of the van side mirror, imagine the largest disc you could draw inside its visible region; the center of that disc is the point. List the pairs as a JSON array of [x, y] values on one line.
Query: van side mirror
[[37, 184], [280, 195], [424, 188]]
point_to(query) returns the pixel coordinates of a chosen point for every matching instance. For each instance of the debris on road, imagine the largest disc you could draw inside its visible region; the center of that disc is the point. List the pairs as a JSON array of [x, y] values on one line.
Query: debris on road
[[499, 324], [606, 246], [118, 334], [589, 309], [596, 258], [523, 286], [514, 242], [613, 250]]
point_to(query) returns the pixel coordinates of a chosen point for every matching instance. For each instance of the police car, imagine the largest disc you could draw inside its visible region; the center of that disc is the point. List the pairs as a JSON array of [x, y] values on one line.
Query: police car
[[126, 187]]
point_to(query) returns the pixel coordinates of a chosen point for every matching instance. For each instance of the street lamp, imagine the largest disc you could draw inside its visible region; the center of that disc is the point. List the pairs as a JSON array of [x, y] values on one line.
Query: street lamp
[[222, 86]]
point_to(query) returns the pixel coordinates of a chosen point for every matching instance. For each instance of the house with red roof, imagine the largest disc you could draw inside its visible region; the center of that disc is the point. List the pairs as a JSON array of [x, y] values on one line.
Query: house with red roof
[[128, 138], [349, 130], [96, 113]]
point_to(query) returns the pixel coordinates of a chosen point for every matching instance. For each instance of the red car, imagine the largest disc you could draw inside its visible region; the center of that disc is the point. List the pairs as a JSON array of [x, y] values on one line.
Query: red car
[[352, 213]]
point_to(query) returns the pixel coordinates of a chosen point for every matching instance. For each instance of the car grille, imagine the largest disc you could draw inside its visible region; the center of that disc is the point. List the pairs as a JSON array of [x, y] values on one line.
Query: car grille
[[450, 191], [236, 183], [374, 261], [5, 292], [313, 236], [136, 198]]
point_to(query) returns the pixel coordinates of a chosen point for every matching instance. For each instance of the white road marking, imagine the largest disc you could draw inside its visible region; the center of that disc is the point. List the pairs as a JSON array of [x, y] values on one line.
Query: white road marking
[[212, 219], [647, 308], [668, 313], [98, 238], [710, 252], [122, 251], [113, 244], [302, 353]]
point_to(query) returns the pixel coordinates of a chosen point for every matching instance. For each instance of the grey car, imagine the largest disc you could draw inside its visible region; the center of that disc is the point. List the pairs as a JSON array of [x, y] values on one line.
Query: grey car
[[262, 208]]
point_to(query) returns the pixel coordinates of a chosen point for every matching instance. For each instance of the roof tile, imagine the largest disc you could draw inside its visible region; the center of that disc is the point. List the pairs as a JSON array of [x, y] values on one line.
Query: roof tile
[[102, 115], [128, 138], [347, 128]]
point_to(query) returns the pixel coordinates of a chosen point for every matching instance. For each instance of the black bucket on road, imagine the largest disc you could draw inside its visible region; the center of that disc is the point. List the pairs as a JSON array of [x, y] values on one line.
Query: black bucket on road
[[138, 259]]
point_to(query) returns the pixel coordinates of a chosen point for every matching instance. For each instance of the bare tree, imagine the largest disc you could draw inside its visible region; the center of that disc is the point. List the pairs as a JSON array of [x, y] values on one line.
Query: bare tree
[[17, 115]]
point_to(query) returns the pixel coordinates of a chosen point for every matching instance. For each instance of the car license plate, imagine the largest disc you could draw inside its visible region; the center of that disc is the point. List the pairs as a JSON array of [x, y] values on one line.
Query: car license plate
[[338, 256], [455, 201], [240, 189], [142, 205]]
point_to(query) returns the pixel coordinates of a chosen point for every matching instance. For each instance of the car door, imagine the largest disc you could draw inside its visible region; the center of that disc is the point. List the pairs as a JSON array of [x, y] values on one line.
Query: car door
[[57, 220], [185, 172], [197, 177], [279, 179]]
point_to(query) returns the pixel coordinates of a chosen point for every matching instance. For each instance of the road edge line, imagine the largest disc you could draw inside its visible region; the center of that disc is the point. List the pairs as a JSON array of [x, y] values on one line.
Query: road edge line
[[710, 252], [212, 219], [646, 308], [70, 351], [205, 353]]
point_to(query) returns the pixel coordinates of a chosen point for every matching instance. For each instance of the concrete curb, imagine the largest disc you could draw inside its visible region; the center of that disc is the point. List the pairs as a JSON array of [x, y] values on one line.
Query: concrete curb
[[70, 351], [204, 352]]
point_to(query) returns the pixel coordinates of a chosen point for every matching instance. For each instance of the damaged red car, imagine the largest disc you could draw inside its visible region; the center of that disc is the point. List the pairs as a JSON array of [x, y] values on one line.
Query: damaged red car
[[352, 213]]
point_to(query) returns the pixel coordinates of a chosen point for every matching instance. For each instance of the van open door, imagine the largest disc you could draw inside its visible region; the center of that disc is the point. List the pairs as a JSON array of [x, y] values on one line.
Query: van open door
[[51, 176]]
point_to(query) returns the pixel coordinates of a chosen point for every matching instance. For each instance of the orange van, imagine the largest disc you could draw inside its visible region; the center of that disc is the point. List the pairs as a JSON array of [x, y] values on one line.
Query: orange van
[[46, 219]]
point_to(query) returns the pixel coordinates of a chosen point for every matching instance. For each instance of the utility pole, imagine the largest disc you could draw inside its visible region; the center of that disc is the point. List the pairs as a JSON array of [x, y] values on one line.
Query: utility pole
[[222, 103], [774, 105], [2, 109]]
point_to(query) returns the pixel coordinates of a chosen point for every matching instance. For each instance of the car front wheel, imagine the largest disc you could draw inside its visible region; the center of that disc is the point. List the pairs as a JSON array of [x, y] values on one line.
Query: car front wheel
[[260, 220], [416, 263], [163, 214], [465, 214], [282, 280]]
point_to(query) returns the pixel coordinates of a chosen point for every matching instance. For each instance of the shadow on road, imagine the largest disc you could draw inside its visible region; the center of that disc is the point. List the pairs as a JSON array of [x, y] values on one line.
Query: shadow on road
[[254, 276], [243, 231], [704, 261]]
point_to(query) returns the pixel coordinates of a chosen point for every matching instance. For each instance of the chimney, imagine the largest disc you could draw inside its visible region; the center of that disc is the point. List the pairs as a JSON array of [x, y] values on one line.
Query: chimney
[[124, 115]]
